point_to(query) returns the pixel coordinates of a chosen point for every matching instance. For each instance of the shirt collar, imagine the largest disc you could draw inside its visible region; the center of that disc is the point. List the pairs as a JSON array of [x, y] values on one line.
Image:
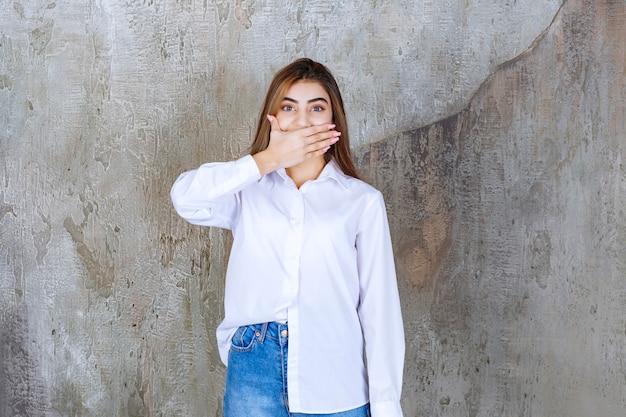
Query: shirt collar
[[331, 170]]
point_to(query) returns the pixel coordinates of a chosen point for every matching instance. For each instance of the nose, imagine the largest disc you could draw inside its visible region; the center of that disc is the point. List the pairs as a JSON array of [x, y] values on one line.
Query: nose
[[302, 119]]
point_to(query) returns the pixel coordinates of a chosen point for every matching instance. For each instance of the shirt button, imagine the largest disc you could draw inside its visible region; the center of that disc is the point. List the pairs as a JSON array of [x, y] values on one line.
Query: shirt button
[[284, 333]]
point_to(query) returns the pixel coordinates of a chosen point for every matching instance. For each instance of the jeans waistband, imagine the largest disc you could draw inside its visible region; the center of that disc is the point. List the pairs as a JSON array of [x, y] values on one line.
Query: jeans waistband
[[272, 329]]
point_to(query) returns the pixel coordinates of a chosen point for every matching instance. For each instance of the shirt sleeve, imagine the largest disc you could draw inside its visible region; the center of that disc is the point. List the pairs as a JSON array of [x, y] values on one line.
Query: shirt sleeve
[[209, 195], [379, 310]]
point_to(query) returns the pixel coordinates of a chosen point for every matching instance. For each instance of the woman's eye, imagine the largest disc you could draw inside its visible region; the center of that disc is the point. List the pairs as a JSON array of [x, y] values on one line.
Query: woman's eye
[[287, 108], [317, 108]]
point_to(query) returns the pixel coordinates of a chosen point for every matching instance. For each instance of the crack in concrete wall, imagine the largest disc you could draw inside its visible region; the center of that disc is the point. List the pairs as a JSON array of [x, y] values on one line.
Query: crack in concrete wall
[[506, 206]]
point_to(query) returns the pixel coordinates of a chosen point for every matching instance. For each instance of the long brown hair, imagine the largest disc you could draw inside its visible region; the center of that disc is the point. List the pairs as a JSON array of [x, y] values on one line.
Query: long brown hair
[[307, 69]]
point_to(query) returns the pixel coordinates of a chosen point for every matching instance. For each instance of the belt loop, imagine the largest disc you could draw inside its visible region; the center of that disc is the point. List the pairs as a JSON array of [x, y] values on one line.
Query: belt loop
[[263, 331]]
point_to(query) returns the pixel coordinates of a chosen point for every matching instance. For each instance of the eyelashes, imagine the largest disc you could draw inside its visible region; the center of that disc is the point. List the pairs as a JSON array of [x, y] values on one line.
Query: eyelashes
[[289, 108]]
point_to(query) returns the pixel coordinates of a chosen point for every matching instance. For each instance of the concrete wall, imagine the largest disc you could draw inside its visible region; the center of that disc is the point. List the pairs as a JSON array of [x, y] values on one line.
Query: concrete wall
[[494, 129]]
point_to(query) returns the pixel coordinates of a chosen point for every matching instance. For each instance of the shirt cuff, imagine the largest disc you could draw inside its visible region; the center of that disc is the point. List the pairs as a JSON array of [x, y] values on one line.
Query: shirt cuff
[[248, 167], [386, 409]]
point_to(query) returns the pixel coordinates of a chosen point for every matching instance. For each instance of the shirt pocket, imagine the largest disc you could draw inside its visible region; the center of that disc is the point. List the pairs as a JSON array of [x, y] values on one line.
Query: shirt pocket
[[244, 340]]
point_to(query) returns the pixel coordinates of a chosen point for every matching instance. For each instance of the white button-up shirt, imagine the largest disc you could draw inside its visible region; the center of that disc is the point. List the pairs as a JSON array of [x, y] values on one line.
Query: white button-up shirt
[[318, 257]]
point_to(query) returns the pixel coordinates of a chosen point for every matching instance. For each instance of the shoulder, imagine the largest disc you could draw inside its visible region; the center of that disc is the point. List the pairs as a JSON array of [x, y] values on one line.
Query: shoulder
[[369, 199], [354, 186], [361, 187]]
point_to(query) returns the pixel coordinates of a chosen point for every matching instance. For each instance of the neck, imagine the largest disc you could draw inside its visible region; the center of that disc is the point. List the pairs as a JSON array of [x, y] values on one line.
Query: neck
[[307, 170]]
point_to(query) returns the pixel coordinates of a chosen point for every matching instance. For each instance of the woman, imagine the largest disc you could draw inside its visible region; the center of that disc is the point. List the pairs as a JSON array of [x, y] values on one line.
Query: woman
[[311, 283]]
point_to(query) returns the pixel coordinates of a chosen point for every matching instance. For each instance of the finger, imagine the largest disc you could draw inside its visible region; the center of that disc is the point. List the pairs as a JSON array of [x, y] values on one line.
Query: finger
[[323, 136], [321, 145], [321, 151], [315, 129], [274, 126]]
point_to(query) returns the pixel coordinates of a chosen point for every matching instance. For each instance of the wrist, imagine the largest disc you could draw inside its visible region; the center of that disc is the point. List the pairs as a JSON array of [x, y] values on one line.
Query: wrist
[[264, 162]]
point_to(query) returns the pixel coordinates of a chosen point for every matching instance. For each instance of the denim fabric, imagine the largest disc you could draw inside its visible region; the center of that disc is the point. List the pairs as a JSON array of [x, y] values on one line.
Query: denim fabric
[[256, 377]]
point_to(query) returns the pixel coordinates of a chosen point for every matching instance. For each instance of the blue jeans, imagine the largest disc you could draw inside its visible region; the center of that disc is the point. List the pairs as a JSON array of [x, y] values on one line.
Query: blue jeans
[[256, 377]]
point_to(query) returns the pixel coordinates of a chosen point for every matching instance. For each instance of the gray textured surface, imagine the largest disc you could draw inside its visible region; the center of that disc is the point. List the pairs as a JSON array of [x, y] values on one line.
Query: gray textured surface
[[505, 187], [510, 233]]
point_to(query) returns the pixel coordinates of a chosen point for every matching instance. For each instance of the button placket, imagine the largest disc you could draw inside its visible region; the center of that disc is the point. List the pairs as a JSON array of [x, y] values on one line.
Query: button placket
[[293, 241]]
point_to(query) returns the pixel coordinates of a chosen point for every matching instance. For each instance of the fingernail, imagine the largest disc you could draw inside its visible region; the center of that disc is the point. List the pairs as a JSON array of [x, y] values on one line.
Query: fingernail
[[331, 127], [336, 133], [334, 140]]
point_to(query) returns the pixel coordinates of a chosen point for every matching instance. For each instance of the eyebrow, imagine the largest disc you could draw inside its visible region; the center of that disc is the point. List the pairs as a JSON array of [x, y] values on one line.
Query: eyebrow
[[313, 100]]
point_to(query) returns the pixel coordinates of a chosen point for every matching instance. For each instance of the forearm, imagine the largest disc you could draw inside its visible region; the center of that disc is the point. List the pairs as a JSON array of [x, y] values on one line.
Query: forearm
[[210, 191]]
